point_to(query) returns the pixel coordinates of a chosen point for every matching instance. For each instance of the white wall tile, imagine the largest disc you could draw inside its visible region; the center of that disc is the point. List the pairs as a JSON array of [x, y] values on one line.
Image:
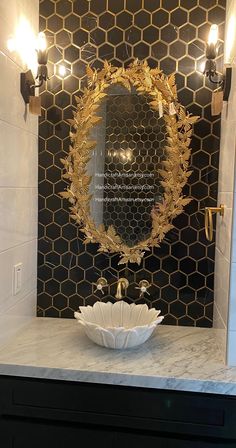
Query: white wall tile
[[224, 224], [27, 255], [221, 334], [231, 348], [11, 12], [233, 249], [18, 176], [224, 269], [12, 107], [18, 216], [19, 157], [218, 320], [230, 40], [230, 112], [232, 298], [12, 320], [221, 285], [227, 155]]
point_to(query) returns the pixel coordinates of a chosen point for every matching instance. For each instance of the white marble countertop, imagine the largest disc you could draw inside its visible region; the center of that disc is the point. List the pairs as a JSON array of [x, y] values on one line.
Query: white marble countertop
[[175, 358]]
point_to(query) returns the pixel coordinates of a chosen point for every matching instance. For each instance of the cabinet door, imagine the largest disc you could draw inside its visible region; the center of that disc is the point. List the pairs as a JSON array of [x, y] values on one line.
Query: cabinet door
[[135, 410], [128, 440], [21, 433], [118, 406]]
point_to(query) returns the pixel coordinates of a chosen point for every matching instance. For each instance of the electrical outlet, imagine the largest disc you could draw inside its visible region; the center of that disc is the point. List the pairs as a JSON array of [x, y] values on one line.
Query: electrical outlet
[[17, 278]]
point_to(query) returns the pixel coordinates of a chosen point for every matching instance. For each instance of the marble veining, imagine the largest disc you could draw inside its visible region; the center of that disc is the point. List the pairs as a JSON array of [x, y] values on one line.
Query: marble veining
[[177, 358]]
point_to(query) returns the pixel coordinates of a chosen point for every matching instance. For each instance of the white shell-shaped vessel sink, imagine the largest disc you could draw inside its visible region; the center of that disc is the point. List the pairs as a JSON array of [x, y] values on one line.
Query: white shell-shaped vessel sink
[[118, 325]]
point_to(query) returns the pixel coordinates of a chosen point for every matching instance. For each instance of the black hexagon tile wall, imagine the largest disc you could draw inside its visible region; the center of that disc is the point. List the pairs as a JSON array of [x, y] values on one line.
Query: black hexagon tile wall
[[170, 34]]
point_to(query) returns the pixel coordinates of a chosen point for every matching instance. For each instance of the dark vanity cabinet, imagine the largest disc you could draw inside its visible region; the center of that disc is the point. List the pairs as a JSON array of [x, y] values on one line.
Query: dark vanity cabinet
[[47, 413]]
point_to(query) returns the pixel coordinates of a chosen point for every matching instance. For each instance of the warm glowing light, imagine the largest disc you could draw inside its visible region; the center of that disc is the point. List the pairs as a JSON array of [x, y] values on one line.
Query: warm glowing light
[[42, 42], [124, 155], [213, 35], [129, 154], [24, 42], [230, 39], [62, 70], [11, 44]]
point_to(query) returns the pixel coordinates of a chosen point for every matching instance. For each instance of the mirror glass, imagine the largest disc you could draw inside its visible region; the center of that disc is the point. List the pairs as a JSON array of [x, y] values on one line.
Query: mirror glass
[[124, 165]]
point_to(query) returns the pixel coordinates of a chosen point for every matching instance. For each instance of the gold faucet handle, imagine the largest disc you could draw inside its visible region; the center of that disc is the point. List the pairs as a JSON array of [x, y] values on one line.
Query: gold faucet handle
[[100, 284], [143, 287]]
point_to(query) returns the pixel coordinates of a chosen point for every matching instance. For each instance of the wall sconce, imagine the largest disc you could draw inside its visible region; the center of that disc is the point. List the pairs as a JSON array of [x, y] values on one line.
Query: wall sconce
[[28, 84], [210, 71]]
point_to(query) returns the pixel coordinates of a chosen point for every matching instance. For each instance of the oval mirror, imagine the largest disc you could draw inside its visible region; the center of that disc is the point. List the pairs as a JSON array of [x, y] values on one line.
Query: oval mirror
[[129, 158]]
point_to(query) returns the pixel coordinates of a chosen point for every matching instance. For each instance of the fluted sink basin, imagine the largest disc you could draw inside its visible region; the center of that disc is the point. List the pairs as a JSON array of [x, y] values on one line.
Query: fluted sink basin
[[118, 325]]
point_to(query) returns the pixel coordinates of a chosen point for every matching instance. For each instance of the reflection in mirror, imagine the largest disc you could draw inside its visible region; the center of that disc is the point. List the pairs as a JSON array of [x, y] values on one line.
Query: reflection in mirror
[[124, 166]]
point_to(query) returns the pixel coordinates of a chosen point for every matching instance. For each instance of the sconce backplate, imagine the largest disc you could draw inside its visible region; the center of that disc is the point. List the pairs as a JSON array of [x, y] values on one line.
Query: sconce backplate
[[27, 85], [227, 83]]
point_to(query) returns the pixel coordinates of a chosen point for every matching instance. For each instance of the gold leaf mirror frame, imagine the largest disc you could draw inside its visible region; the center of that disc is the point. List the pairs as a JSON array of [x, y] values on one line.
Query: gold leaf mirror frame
[[161, 93]]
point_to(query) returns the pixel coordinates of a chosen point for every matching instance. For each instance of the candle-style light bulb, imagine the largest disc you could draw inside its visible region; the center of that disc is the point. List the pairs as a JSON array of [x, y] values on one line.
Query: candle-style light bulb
[[213, 35], [210, 70], [42, 42], [42, 52], [211, 48], [42, 49]]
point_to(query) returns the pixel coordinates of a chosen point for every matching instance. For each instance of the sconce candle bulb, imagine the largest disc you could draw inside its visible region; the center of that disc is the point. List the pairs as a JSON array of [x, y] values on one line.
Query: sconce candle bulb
[[210, 71], [213, 35], [42, 49], [42, 73], [211, 51], [42, 42], [28, 84]]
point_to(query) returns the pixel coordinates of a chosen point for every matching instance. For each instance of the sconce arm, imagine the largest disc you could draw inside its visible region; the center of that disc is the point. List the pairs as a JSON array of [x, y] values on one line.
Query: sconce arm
[[219, 82], [36, 86]]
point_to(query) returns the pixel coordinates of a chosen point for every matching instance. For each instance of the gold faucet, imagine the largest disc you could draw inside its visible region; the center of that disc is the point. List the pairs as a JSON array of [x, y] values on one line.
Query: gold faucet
[[122, 283]]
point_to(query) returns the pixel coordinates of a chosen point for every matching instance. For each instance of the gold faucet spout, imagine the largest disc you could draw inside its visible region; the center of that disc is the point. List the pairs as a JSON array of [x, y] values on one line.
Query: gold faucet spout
[[121, 284]]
